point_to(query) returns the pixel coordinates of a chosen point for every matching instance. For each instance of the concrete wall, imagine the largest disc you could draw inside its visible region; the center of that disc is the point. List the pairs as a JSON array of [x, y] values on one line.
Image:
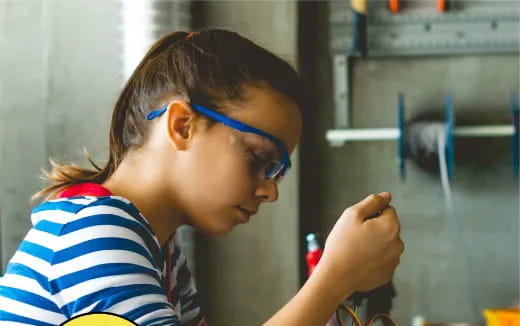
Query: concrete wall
[[247, 276], [60, 74], [432, 277]]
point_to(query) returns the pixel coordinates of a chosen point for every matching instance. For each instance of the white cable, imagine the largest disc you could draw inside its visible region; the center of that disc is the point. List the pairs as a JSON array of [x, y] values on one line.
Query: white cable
[[443, 167], [455, 221]]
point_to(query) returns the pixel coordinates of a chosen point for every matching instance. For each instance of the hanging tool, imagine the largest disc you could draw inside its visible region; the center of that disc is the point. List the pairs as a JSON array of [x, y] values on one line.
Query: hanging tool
[[443, 5], [393, 6], [359, 8]]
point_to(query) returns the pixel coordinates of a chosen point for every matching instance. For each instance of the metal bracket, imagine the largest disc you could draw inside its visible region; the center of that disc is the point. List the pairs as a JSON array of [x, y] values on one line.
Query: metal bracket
[[341, 91]]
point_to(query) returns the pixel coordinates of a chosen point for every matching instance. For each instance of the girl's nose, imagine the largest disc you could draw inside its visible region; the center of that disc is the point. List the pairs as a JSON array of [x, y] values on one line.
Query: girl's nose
[[267, 190]]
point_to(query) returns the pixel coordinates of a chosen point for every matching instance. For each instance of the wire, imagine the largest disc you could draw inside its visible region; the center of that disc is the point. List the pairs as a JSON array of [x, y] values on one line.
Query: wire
[[350, 312], [355, 319], [389, 318], [454, 218]]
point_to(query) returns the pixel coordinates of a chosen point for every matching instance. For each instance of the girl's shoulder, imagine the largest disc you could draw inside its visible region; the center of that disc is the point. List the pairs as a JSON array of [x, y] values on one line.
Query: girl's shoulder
[[88, 210], [70, 206]]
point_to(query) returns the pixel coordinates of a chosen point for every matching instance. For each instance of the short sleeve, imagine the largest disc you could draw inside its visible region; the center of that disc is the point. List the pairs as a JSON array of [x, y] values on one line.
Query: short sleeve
[[105, 259]]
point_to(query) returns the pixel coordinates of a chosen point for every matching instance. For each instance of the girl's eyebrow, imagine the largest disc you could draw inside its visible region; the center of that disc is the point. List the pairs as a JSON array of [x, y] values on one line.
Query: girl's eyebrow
[[269, 149], [266, 146]]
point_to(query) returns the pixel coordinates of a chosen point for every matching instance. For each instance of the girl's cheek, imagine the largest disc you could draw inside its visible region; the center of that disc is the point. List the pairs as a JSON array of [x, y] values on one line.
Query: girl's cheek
[[241, 179]]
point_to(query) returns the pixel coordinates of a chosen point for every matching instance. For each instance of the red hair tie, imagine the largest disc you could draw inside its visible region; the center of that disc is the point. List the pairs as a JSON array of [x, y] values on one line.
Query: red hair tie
[[190, 34]]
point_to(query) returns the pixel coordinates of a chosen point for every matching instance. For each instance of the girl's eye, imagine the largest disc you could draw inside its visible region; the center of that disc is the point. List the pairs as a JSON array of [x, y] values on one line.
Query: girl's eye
[[257, 162]]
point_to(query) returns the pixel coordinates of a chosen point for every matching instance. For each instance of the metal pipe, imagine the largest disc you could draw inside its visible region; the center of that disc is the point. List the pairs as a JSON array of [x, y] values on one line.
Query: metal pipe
[[143, 22], [362, 134], [370, 134], [138, 32], [484, 131]]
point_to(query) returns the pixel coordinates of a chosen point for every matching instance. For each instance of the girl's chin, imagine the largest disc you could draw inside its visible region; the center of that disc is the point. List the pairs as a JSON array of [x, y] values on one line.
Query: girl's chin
[[219, 229]]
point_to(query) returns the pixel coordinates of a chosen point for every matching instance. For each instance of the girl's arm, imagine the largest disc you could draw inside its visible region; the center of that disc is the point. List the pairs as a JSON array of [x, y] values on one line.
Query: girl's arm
[[360, 254], [313, 305]]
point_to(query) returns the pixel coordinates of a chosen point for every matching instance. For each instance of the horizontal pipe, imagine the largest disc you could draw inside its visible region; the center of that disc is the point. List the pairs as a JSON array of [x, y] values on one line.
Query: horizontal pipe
[[484, 131], [362, 134], [341, 135]]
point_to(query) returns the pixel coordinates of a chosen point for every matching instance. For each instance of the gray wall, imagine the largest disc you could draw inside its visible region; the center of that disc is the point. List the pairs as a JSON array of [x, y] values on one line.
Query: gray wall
[[432, 276], [59, 75]]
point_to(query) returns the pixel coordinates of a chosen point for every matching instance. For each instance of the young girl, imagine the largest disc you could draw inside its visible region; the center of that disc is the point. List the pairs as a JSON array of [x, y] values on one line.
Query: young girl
[[201, 134]]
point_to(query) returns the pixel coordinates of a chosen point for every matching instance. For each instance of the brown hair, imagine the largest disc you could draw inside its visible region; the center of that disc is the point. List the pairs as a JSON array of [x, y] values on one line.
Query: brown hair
[[206, 67]]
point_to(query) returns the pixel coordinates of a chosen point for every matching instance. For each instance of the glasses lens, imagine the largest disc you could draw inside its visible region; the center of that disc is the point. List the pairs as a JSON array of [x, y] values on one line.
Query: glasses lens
[[262, 154]]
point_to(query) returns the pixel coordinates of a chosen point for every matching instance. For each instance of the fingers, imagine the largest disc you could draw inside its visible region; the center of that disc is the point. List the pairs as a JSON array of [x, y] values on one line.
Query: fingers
[[372, 205], [390, 221], [390, 215]]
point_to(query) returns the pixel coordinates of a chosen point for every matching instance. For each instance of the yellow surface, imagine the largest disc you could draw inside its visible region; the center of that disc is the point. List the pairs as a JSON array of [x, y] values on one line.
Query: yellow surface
[[98, 319], [502, 317]]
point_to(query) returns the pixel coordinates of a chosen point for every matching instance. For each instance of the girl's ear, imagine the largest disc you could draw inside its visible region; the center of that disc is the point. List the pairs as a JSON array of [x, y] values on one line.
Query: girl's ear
[[180, 123]]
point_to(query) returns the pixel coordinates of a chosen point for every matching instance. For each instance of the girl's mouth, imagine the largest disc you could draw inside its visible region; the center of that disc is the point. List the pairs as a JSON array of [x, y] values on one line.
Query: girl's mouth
[[244, 214]]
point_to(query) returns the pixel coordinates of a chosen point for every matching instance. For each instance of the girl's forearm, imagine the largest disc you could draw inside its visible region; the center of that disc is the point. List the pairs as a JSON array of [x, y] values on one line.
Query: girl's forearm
[[314, 304]]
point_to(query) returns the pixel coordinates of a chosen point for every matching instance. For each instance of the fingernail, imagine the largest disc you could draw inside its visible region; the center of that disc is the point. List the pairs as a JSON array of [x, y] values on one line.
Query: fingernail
[[385, 194]]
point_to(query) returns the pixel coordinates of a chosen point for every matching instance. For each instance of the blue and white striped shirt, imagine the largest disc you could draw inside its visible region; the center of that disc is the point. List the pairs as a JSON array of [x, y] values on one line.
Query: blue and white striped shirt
[[96, 254]]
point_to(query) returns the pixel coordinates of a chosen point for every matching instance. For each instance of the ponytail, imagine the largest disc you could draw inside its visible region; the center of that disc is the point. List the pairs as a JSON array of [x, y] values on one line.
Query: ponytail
[[62, 176]]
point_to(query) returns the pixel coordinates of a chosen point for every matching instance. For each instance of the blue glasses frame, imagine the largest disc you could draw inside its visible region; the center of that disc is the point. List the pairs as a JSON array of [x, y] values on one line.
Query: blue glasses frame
[[278, 169]]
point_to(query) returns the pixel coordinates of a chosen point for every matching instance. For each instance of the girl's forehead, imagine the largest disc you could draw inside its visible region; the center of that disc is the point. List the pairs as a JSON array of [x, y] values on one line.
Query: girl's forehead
[[267, 109]]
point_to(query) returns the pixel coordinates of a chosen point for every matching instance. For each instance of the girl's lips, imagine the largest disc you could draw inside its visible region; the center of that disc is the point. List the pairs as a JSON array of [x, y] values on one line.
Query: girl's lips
[[244, 214]]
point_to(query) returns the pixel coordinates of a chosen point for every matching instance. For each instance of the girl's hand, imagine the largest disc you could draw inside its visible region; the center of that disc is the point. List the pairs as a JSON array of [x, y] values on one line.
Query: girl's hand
[[361, 253], [363, 249]]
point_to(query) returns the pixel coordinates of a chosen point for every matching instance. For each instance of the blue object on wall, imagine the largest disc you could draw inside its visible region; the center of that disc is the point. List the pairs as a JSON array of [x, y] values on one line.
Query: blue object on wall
[[450, 146], [515, 137], [400, 144]]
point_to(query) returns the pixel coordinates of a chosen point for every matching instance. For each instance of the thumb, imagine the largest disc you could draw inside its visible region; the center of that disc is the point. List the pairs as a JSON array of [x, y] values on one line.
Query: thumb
[[372, 205], [387, 195]]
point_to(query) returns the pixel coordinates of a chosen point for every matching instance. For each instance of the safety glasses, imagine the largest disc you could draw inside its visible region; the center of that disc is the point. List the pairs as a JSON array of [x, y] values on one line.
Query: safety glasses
[[274, 170]]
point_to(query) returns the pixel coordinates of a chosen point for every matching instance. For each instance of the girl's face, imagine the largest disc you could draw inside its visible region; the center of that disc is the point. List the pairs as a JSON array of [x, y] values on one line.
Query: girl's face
[[221, 177]]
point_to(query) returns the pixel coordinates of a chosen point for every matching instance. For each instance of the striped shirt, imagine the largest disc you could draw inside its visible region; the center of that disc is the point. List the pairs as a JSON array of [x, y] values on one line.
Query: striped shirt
[[96, 254]]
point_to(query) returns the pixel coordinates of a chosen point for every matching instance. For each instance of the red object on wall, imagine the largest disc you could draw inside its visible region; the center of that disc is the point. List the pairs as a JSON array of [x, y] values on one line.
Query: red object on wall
[[393, 5], [441, 5]]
